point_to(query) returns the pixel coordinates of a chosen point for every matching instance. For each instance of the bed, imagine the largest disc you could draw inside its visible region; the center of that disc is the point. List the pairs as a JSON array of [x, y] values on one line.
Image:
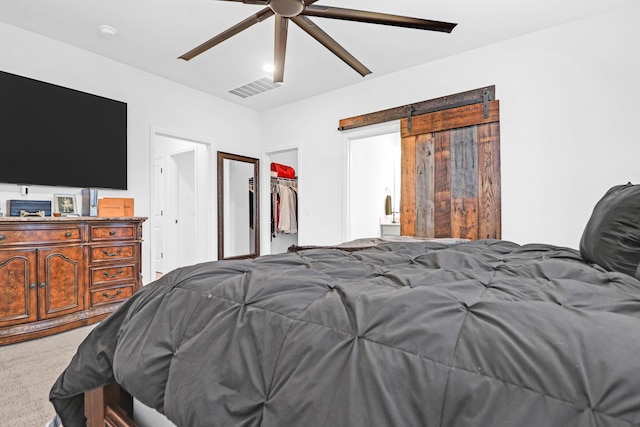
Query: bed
[[394, 333]]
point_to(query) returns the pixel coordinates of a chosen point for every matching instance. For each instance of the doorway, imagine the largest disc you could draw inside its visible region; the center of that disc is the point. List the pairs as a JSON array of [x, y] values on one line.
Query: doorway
[[182, 190], [373, 173], [278, 242]]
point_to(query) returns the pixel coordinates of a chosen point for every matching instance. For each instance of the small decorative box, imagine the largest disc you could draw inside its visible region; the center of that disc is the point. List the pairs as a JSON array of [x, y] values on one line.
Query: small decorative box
[[29, 207]]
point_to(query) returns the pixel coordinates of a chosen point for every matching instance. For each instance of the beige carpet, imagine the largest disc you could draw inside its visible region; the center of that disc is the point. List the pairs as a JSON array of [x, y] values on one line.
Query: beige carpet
[[27, 372]]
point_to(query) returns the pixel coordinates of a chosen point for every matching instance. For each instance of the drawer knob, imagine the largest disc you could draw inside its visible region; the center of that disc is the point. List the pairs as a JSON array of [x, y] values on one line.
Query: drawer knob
[[107, 253], [2, 237], [111, 276], [43, 285], [106, 295], [112, 233], [33, 286], [68, 234]]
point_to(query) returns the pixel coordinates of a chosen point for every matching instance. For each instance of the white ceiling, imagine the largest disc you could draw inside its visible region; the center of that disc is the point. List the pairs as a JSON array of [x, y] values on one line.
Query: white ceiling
[[153, 33]]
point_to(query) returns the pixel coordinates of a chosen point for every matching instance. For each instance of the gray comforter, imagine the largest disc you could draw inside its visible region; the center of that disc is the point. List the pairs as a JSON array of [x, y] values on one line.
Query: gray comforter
[[481, 334]]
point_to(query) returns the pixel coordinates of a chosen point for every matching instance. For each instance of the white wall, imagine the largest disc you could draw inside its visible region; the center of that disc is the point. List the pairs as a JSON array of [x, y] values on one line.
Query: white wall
[[568, 98], [568, 105], [152, 103]]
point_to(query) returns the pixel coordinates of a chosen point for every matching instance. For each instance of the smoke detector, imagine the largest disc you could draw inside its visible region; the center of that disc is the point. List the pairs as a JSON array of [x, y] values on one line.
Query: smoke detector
[[107, 31]]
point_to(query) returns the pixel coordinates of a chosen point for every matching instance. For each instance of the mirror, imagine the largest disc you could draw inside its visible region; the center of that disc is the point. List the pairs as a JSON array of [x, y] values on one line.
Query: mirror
[[238, 206]]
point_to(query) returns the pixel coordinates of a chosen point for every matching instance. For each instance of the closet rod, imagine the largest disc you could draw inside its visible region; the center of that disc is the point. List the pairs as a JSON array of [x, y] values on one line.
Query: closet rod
[[285, 181]]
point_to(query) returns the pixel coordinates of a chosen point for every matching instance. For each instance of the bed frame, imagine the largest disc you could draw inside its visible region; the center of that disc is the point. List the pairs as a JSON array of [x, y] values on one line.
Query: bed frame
[[109, 406]]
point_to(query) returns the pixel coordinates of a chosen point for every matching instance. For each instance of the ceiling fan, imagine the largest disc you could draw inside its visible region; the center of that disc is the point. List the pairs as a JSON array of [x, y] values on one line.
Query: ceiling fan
[[299, 11]]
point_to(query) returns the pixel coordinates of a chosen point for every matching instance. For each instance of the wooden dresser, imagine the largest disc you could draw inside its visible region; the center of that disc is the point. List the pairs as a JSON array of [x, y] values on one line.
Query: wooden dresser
[[61, 273]]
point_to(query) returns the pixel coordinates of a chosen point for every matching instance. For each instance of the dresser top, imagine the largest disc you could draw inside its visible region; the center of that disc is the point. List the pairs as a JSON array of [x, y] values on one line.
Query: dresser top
[[69, 218]]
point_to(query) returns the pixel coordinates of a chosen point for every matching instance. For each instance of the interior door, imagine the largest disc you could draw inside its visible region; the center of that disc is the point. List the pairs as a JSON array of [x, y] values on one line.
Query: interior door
[[185, 207], [182, 202], [158, 216], [450, 184]]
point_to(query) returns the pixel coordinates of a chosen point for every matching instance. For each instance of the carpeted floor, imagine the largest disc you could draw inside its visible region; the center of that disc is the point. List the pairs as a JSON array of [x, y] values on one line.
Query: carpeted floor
[[27, 372]]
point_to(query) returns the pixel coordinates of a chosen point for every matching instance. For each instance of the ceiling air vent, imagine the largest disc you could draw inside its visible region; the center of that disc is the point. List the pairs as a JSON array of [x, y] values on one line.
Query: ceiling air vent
[[255, 88]]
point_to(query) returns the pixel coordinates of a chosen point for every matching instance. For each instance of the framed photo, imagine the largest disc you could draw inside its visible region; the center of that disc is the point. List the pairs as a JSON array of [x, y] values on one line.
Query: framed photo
[[65, 204]]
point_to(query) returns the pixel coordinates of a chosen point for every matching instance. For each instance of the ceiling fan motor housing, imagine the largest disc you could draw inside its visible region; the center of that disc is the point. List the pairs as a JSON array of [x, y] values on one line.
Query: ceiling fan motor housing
[[287, 8]]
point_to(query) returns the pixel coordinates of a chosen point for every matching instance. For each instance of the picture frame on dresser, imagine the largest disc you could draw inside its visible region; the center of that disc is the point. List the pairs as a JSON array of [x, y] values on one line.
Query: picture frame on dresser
[[65, 204]]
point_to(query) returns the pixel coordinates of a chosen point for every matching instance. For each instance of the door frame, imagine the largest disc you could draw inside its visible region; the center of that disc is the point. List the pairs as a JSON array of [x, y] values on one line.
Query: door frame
[[205, 185], [265, 195], [158, 204], [377, 129]]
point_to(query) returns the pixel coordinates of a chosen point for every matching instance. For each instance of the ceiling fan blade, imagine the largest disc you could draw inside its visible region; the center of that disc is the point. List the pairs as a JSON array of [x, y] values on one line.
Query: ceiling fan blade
[[260, 2], [314, 31], [280, 49], [254, 19], [377, 18]]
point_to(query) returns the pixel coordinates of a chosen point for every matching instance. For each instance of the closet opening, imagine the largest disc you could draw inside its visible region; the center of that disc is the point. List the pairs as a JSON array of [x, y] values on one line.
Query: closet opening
[[281, 208]]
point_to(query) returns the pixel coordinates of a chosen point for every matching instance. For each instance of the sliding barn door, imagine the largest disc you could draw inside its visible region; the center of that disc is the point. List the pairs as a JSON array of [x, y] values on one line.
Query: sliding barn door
[[451, 173]]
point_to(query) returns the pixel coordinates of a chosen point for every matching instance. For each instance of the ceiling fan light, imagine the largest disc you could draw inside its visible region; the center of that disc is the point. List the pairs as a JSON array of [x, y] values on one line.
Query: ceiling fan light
[[287, 8]]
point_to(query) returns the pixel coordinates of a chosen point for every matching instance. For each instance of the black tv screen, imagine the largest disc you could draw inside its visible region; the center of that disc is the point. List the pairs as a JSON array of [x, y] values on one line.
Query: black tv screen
[[51, 135]]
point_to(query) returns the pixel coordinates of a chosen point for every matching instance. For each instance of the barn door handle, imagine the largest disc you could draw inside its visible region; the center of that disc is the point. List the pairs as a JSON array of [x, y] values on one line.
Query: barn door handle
[[485, 101]]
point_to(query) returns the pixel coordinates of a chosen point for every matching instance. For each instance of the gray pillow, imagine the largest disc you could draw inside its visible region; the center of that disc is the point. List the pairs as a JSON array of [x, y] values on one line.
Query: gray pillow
[[612, 236]]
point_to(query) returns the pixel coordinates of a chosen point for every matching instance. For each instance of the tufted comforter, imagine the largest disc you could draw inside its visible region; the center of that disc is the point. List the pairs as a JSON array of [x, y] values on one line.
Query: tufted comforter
[[481, 334]]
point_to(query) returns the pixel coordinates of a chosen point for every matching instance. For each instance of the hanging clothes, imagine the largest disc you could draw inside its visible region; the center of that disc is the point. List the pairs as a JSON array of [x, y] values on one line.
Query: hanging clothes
[[284, 207], [288, 221]]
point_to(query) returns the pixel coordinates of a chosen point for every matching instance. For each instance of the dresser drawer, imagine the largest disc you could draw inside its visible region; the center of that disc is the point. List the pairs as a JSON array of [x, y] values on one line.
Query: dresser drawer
[[40, 235], [111, 274], [110, 295], [112, 252], [101, 233]]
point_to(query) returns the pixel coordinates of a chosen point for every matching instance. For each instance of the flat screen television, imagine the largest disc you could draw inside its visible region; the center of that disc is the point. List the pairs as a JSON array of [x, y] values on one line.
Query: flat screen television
[[52, 135]]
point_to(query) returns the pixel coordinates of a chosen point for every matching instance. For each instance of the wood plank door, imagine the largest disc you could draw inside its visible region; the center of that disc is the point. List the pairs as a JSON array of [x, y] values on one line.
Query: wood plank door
[[451, 173]]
